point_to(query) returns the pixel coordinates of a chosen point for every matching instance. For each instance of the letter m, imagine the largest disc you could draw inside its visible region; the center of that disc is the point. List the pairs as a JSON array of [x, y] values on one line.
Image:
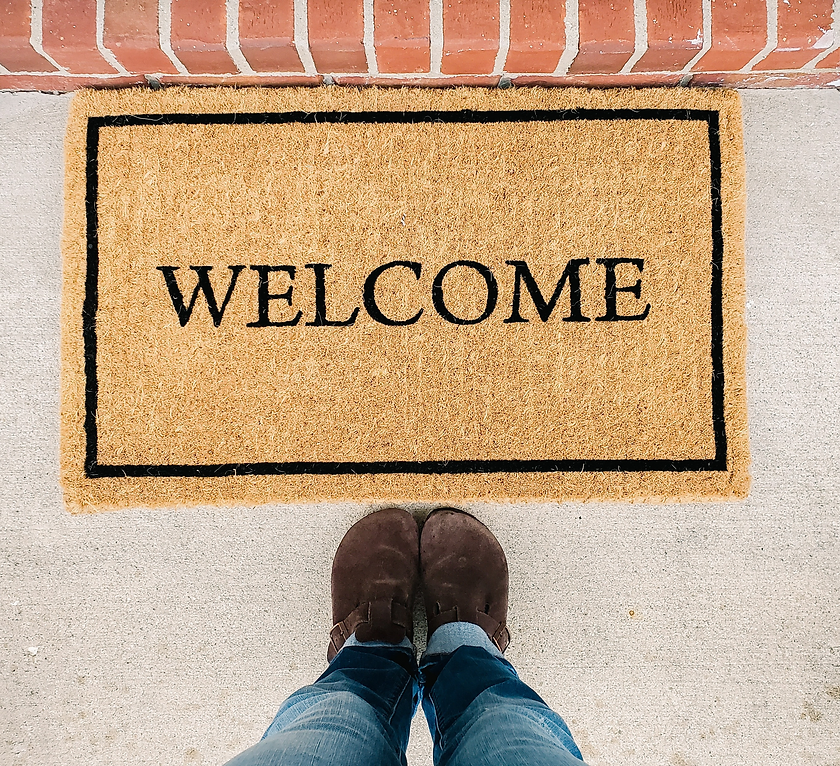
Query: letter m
[[202, 285], [544, 307]]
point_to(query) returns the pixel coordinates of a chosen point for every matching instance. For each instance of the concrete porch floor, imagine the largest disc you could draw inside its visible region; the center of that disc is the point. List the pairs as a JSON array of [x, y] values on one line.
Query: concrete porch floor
[[687, 634]]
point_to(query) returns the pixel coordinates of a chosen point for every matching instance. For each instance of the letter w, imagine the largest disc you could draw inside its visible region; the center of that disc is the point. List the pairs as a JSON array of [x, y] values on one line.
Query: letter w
[[545, 307], [203, 285]]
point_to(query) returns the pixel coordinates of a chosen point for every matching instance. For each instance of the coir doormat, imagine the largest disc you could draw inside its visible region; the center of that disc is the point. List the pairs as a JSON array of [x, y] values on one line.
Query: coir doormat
[[302, 294]]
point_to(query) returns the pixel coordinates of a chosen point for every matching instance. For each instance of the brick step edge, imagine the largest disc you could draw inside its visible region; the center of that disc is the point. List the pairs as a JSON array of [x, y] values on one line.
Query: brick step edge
[[62, 45]]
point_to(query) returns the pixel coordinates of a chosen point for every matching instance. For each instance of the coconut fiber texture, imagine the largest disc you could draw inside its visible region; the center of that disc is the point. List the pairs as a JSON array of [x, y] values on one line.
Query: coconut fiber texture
[[301, 294]]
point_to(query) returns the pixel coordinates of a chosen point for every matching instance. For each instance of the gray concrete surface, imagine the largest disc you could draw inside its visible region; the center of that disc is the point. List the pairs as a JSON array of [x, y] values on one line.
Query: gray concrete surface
[[679, 634]]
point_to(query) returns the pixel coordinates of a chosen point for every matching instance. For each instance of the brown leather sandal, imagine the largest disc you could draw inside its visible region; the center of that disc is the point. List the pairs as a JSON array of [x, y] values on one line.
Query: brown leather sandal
[[464, 573], [375, 576]]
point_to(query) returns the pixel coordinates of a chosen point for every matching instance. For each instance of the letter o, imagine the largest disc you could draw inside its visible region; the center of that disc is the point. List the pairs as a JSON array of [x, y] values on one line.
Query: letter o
[[492, 292]]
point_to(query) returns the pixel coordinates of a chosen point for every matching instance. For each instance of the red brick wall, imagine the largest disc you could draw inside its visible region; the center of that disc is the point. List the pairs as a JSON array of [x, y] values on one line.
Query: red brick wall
[[67, 44]]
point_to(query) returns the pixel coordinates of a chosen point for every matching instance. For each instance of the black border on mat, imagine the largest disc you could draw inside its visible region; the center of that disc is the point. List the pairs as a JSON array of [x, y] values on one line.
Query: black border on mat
[[95, 469]]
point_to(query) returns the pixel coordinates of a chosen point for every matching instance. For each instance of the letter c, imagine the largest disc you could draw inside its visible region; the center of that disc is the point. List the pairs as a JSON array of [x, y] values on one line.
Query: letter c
[[370, 299]]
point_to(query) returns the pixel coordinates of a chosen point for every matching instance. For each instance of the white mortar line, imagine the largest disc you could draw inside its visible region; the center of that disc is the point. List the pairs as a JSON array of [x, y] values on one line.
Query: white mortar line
[[834, 41], [572, 45], [504, 37], [370, 48], [403, 75], [106, 52], [707, 36], [435, 36], [302, 37], [165, 34], [772, 36], [36, 33], [640, 16], [3, 70], [232, 37]]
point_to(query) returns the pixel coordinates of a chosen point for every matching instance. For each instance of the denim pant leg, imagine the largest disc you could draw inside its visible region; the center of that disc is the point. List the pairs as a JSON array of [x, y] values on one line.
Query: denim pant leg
[[358, 713], [480, 712]]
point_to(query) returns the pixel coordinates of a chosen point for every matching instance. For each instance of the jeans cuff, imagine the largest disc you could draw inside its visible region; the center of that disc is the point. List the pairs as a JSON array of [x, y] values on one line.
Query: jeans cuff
[[404, 644], [449, 637]]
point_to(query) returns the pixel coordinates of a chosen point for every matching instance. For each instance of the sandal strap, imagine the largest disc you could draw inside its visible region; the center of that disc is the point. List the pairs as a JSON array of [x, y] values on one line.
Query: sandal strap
[[497, 631], [378, 615]]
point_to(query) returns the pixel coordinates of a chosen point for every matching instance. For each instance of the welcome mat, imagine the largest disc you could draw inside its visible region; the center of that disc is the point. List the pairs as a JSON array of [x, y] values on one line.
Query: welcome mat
[[301, 294]]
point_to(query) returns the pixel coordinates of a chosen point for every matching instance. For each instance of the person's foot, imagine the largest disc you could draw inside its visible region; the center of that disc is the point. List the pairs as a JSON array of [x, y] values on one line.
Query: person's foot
[[464, 573], [375, 575]]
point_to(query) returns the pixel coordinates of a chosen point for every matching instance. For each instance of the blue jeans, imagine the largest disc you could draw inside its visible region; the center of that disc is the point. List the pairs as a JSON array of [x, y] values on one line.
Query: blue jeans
[[358, 713]]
